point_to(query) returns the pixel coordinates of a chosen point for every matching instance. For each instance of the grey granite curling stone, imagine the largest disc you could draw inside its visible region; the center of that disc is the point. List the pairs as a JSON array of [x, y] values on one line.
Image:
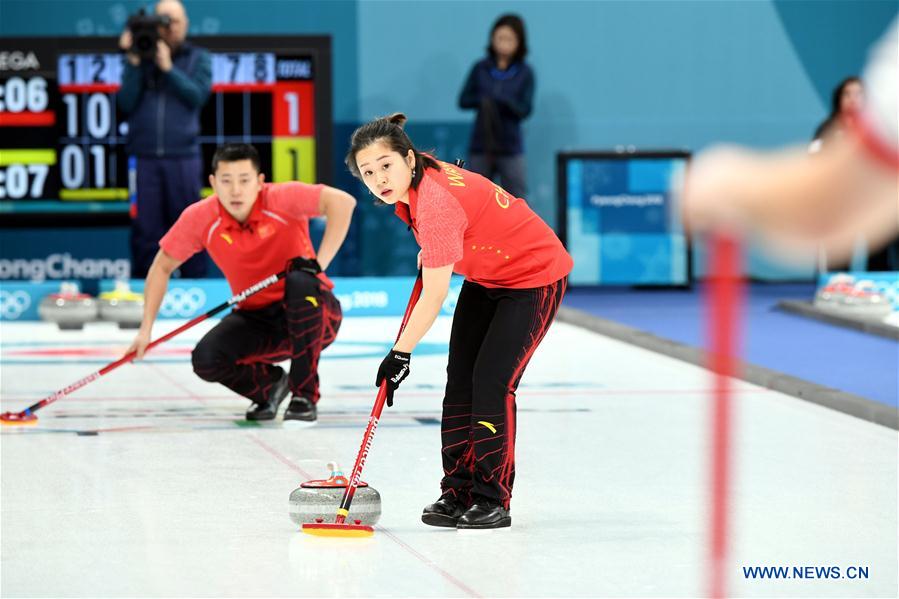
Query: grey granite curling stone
[[862, 299], [318, 500], [838, 286], [122, 306], [867, 301], [69, 308]]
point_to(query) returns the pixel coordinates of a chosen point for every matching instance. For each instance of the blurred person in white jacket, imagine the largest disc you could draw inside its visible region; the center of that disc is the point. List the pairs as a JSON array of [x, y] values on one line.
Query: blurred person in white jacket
[[801, 200]]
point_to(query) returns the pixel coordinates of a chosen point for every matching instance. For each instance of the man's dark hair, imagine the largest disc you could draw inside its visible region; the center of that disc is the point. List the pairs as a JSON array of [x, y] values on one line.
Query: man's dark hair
[[516, 24], [235, 152]]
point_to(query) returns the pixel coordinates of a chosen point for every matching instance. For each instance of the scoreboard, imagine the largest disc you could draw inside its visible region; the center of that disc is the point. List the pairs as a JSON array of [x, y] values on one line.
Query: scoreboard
[[62, 138]]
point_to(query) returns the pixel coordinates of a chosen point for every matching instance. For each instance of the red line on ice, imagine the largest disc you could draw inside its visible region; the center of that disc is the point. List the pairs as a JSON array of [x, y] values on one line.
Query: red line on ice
[[449, 577], [279, 456]]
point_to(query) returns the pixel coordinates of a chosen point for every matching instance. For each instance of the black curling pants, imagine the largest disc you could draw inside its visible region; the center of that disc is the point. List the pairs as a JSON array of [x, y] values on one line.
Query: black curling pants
[[494, 335], [242, 351]]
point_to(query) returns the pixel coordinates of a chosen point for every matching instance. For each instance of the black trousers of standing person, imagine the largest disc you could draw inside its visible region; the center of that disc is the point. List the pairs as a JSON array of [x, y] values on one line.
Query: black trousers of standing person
[[494, 335], [242, 351], [510, 168], [165, 187]]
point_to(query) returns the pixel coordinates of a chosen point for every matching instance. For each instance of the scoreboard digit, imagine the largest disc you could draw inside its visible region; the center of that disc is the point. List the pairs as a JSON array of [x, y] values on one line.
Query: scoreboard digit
[[293, 141], [91, 164], [243, 68], [25, 103], [64, 139], [23, 173]]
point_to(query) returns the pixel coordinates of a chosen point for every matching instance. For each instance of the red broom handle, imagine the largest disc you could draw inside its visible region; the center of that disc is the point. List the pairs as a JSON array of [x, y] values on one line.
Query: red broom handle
[[268, 282], [344, 509]]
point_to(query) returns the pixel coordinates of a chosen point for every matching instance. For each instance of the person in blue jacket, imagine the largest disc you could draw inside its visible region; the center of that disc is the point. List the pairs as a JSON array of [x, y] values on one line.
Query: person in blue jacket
[[501, 88], [162, 99]]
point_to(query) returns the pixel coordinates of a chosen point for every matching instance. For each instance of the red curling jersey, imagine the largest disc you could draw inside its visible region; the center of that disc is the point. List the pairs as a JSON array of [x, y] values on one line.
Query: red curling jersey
[[490, 237], [276, 230]]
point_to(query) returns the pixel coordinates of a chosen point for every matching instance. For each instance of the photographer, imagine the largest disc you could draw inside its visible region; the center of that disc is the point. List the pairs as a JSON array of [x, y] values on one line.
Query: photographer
[[165, 83]]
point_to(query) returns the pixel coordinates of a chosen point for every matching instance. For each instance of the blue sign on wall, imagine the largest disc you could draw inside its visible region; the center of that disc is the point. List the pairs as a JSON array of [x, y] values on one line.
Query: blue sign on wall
[[620, 220], [40, 255]]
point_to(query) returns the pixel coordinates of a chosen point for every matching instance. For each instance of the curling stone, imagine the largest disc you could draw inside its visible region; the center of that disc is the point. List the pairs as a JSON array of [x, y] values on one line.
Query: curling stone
[[318, 500], [866, 301], [69, 308], [838, 287], [122, 306]]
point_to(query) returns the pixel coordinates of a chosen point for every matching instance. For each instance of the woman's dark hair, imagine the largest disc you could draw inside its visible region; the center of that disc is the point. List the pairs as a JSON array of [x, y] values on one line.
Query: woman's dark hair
[[835, 98], [516, 24], [387, 130], [235, 152], [838, 94]]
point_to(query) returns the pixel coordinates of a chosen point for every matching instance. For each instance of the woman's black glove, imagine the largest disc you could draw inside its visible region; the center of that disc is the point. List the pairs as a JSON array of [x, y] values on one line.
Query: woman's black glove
[[307, 265], [394, 368]]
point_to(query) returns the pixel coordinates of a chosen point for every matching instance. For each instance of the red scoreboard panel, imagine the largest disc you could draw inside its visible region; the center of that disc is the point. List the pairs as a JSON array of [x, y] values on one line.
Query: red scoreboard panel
[[63, 138]]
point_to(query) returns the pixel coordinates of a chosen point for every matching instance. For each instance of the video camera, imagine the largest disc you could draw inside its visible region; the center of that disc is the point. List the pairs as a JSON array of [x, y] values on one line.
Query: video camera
[[145, 32]]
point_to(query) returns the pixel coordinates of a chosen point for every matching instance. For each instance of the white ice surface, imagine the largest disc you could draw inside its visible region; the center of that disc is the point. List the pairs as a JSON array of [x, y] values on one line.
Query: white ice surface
[[176, 497]]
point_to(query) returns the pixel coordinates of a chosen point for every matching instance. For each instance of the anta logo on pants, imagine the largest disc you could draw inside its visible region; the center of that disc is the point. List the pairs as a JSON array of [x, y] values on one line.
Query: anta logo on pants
[[488, 426]]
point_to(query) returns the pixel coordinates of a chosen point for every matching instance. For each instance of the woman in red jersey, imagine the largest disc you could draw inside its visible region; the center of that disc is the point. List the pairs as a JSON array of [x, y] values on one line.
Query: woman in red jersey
[[515, 272]]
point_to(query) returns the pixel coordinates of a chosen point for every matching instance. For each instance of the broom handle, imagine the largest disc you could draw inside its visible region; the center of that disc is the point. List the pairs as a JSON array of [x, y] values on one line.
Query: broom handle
[[131, 355], [344, 509]]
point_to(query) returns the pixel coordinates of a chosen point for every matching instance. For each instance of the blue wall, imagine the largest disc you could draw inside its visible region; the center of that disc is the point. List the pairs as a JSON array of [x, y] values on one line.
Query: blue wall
[[651, 74], [661, 73]]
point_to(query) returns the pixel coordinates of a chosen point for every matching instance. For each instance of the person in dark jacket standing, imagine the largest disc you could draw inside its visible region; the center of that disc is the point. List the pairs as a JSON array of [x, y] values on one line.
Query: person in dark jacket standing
[[163, 98], [501, 88]]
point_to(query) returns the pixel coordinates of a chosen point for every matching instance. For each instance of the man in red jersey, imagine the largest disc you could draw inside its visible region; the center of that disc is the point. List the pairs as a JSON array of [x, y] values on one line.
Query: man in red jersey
[[253, 230], [515, 270]]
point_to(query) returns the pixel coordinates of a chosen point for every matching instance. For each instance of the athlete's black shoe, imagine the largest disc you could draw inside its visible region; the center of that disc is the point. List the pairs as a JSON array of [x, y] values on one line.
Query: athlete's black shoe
[[269, 409], [485, 514], [443, 512], [302, 409]]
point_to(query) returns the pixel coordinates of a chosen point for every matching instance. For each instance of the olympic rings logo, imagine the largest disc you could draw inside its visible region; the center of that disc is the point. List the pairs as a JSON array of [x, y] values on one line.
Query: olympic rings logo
[[13, 304], [180, 302]]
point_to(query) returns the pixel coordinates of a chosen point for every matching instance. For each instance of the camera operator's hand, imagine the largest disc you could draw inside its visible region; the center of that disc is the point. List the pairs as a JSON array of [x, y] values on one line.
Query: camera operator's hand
[[163, 56], [125, 43]]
